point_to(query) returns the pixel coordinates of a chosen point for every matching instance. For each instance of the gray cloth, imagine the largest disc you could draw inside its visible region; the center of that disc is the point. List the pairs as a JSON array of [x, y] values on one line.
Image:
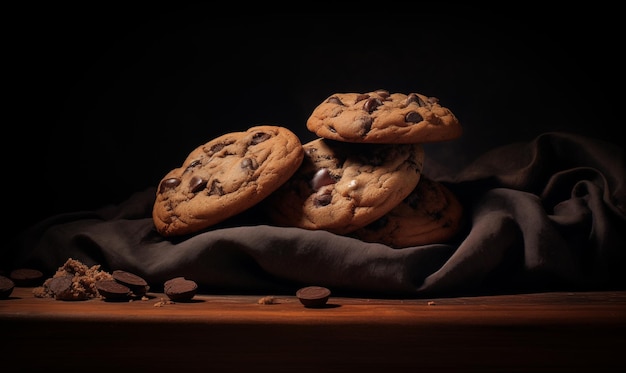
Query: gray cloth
[[544, 215]]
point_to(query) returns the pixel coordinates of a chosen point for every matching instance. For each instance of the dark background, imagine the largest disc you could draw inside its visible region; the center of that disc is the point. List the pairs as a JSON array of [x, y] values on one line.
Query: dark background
[[107, 100]]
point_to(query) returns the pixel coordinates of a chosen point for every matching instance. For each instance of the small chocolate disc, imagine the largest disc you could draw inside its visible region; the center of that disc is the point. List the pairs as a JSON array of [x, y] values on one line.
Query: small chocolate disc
[[6, 287], [135, 283], [26, 277], [313, 296], [180, 289], [113, 290]]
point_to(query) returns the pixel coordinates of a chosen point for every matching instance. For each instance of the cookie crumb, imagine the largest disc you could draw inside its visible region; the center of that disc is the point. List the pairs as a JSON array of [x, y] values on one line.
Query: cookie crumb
[[267, 300], [162, 302], [82, 285]]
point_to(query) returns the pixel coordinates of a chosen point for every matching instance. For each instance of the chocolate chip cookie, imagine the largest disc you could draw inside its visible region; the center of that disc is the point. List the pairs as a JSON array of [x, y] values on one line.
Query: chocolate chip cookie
[[430, 214], [383, 117], [224, 177], [341, 186]]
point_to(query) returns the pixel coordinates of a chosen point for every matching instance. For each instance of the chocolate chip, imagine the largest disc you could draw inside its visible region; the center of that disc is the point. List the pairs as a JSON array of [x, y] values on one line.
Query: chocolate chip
[[383, 93], [361, 97], [137, 285], [6, 287], [249, 163], [26, 277], [413, 117], [180, 289], [414, 98], [335, 100], [113, 290], [371, 104], [322, 200], [322, 177], [365, 125], [259, 137], [167, 184], [193, 165], [313, 296], [216, 148], [216, 188], [196, 184], [310, 152]]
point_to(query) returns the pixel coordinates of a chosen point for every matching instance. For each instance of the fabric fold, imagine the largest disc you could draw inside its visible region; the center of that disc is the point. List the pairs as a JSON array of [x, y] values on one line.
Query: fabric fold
[[548, 214]]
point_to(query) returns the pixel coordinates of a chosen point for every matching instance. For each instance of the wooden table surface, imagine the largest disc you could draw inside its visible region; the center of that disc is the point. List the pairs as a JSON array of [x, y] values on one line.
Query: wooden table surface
[[524, 332]]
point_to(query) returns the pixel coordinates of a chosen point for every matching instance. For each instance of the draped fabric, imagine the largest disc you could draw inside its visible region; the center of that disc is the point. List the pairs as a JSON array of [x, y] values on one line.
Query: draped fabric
[[548, 214]]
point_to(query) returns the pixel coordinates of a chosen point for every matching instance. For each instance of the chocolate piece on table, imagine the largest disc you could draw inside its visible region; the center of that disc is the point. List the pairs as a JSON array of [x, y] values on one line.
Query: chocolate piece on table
[[26, 277], [180, 289], [313, 296], [135, 283], [113, 290], [6, 287]]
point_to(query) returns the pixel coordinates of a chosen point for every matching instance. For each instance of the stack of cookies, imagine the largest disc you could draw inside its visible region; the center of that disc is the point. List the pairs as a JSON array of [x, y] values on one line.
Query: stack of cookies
[[361, 177]]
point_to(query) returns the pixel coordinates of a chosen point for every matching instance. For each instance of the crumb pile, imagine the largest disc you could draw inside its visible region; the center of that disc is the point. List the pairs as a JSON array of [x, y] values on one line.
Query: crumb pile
[[81, 282]]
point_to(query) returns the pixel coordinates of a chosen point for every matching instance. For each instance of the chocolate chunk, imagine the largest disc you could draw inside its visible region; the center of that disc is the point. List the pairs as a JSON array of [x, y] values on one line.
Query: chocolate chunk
[[6, 287], [371, 104], [26, 277], [61, 288], [113, 290], [259, 137], [323, 199], [321, 178], [196, 184], [193, 164], [335, 100], [169, 184], [366, 126], [216, 148], [313, 296], [216, 188], [383, 93], [249, 163], [61, 284], [413, 117], [180, 289], [137, 285], [414, 98], [361, 97]]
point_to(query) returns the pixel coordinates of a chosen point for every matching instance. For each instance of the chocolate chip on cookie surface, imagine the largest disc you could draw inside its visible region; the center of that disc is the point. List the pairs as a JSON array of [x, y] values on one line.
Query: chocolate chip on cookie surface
[[383, 117], [224, 177], [341, 186]]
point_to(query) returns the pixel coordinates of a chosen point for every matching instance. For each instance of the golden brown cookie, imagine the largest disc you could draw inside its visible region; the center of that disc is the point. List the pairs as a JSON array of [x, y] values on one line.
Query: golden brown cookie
[[224, 177], [430, 214], [384, 118], [341, 187]]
